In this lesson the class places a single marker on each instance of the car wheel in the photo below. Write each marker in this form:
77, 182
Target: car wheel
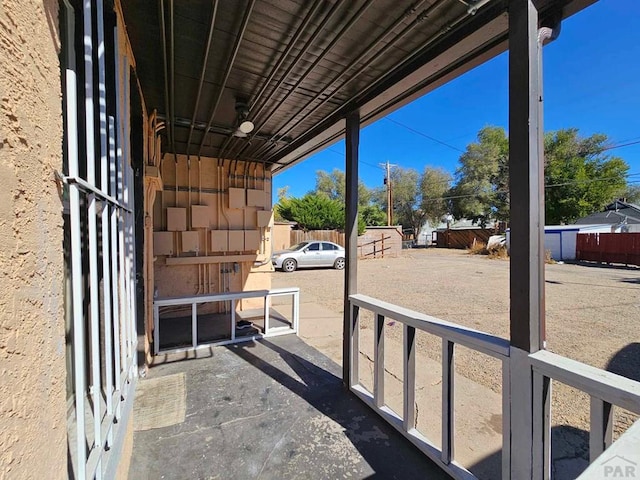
289, 265
339, 265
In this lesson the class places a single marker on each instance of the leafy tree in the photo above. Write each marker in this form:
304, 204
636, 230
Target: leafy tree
313, 212
632, 194
434, 186
333, 186
580, 179
405, 198
373, 215
481, 191
283, 198
416, 197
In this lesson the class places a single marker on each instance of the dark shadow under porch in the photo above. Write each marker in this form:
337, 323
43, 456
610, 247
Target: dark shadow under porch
271, 409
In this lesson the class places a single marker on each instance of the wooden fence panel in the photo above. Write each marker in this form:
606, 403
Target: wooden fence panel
609, 248
463, 238
334, 236
374, 243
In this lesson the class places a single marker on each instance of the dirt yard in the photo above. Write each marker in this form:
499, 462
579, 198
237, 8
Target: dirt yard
593, 312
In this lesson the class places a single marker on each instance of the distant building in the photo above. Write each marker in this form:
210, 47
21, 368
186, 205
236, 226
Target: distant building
560, 240
626, 215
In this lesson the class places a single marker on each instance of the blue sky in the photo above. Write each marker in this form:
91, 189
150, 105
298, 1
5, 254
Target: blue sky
591, 82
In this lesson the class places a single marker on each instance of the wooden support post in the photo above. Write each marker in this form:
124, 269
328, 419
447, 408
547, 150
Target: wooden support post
351, 236
526, 186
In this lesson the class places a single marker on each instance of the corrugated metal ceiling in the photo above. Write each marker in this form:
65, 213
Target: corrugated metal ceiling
299, 64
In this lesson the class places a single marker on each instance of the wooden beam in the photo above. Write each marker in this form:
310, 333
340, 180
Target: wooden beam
351, 235
526, 179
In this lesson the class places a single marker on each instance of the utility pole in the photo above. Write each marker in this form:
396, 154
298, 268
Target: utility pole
387, 181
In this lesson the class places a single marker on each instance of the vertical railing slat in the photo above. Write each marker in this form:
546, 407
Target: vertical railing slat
354, 373
541, 446
194, 324
378, 379
601, 431
409, 391
447, 401
267, 306
506, 419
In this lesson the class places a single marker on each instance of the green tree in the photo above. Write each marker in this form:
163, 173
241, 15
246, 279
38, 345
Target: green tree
312, 212
481, 190
632, 194
333, 186
373, 215
315, 212
283, 198
579, 177
416, 197
434, 186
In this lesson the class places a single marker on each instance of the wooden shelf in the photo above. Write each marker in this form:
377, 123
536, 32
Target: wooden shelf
210, 259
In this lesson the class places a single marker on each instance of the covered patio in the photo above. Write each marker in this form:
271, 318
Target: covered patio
234, 95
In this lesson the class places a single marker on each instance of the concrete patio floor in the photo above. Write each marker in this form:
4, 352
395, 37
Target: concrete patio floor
271, 409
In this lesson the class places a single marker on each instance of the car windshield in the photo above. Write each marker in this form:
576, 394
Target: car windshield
298, 246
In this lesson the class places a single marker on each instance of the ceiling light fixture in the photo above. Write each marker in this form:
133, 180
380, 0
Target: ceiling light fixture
244, 126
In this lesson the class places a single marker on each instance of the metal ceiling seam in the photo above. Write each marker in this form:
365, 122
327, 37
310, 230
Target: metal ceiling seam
166, 72
419, 19
236, 48
172, 95
314, 36
299, 31
204, 70
368, 50
325, 51
361, 99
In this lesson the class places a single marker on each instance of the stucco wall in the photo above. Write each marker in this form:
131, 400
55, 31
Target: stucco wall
32, 363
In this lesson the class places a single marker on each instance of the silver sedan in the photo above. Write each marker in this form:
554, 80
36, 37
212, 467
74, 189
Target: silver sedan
309, 254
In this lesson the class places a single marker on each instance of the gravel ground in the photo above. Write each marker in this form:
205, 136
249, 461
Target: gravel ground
592, 312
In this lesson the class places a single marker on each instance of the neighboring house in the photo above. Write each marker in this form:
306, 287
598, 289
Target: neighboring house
625, 216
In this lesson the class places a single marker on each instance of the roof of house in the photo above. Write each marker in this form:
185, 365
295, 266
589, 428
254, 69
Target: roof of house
615, 213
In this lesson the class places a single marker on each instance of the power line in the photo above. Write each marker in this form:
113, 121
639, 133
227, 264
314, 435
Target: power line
359, 161
433, 139
470, 195
621, 145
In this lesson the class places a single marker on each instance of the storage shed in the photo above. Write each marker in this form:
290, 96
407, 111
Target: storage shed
561, 240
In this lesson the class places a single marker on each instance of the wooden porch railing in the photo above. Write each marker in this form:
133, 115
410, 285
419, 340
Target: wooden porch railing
232, 297
606, 390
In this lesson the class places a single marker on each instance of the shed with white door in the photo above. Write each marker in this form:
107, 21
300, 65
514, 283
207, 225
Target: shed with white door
561, 240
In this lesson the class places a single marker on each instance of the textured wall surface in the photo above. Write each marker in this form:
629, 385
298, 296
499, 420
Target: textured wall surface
32, 366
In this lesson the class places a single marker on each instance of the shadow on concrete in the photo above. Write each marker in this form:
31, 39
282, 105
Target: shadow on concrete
272, 409
569, 453
383, 449
626, 362
630, 280
613, 266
